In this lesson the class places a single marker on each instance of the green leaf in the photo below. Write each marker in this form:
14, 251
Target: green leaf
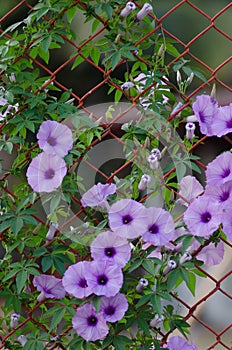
96, 302
117, 95
120, 341
143, 300
95, 54
172, 279
21, 280
46, 42
57, 317
115, 59
148, 265
156, 303
180, 171
187, 241
16, 225
143, 325
46, 263
192, 283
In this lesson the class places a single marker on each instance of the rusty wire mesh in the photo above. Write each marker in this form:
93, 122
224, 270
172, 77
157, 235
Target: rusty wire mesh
219, 337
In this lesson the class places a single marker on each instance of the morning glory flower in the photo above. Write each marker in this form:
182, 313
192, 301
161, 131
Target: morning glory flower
223, 123
112, 248
227, 221
178, 343
104, 278
114, 308
128, 218
220, 194
130, 6
205, 109
190, 128
46, 173
219, 171
49, 287
144, 11
190, 188
203, 216
160, 227
89, 324
14, 320
97, 195
209, 254
74, 280
55, 138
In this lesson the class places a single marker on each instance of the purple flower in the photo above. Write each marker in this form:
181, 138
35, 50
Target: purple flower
219, 171
55, 138
88, 324
104, 278
178, 343
205, 109
130, 6
220, 194
46, 173
190, 188
74, 280
210, 254
8, 110
96, 195
223, 123
190, 128
227, 221
114, 308
128, 218
160, 227
110, 247
144, 11
203, 216
49, 286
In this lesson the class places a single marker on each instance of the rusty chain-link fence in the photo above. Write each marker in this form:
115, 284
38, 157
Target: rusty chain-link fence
209, 312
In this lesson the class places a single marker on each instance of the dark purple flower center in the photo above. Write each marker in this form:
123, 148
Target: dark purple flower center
109, 310
102, 279
226, 172
110, 252
83, 283
224, 196
126, 219
154, 229
229, 124
51, 141
205, 217
49, 174
92, 320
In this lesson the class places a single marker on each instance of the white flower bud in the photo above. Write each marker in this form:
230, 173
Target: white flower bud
14, 320
145, 179
153, 162
144, 11
51, 231
22, 339
130, 6
171, 265
156, 152
190, 78
178, 77
186, 257
127, 86
190, 128
143, 282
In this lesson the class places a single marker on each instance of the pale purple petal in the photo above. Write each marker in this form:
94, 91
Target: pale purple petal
45, 172
160, 227
110, 247
220, 194
190, 188
178, 343
50, 286
88, 324
104, 278
114, 308
210, 254
219, 171
203, 216
128, 218
74, 280
55, 138
223, 123
96, 195
227, 221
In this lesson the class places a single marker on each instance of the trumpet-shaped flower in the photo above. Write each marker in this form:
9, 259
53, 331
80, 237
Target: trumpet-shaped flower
97, 195
89, 324
219, 171
223, 123
178, 343
190, 188
49, 287
55, 138
114, 308
46, 173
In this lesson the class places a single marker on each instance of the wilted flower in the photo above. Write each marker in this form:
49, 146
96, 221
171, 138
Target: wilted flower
145, 179
190, 128
144, 11
55, 138
203, 216
49, 287
128, 218
46, 173
190, 188
89, 324
104, 278
74, 280
130, 6
97, 195
219, 171
114, 308
110, 247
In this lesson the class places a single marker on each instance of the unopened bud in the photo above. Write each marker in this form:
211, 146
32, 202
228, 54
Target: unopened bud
22, 339
156, 320
161, 51
145, 179
186, 257
130, 6
143, 282
14, 320
127, 86
190, 128
171, 265
190, 78
178, 77
144, 11
156, 152
153, 162
213, 91
51, 231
